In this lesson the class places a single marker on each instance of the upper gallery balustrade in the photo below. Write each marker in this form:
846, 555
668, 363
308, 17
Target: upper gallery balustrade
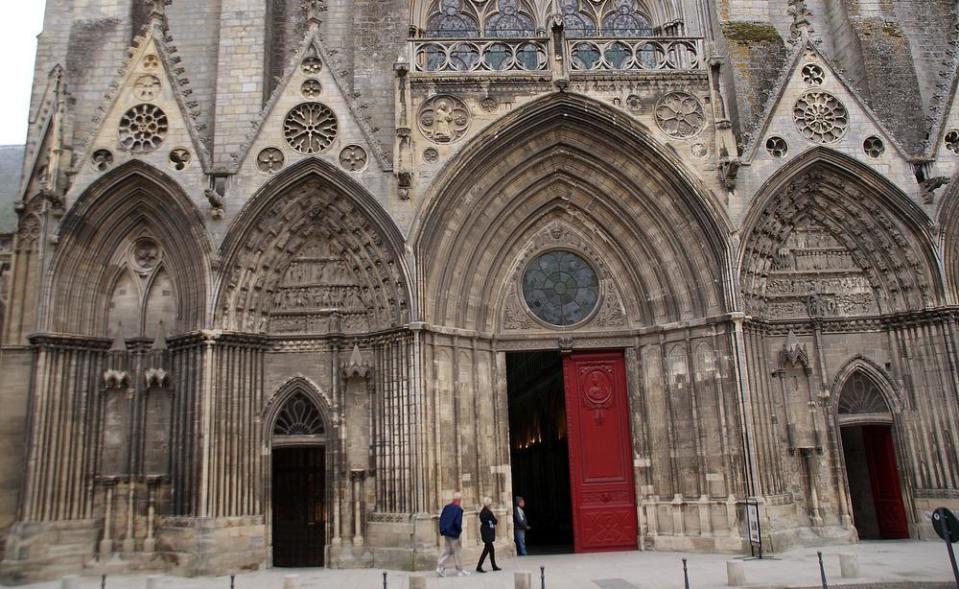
537, 36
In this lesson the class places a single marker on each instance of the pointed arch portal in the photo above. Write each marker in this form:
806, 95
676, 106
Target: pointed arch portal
869, 453
299, 479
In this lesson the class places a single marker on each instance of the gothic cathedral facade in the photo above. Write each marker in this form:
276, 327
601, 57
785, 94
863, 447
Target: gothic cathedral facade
287, 274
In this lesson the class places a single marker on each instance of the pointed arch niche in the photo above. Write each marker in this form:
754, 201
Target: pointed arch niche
131, 255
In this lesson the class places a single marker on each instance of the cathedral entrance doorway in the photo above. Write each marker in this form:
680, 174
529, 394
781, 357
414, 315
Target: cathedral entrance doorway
571, 450
869, 452
874, 482
298, 484
299, 506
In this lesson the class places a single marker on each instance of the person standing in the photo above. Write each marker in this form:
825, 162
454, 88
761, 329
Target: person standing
520, 526
451, 527
488, 523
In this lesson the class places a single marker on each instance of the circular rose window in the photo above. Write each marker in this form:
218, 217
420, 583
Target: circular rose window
560, 288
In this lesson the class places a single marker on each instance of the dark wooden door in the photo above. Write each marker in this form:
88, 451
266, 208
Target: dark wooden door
299, 506
600, 452
884, 479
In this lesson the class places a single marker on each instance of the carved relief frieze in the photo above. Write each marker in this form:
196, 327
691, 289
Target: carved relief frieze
314, 264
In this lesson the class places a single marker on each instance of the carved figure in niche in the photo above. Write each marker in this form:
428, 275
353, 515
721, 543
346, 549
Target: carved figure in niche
444, 119
575, 23
451, 22
626, 22
509, 22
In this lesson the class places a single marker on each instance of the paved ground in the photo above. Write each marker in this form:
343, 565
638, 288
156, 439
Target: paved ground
886, 563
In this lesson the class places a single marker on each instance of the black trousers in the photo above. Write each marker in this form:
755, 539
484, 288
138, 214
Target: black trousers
488, 549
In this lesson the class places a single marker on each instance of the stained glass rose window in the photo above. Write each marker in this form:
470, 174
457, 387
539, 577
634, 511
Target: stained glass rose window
560, 288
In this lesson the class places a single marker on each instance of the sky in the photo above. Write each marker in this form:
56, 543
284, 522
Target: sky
19, 27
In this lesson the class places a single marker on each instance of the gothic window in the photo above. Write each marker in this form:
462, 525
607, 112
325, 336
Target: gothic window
560, 288
509, 21
576, 23
451, 21
299, 417
626, 21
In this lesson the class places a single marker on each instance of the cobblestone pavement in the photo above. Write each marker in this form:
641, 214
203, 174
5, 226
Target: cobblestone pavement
881, 563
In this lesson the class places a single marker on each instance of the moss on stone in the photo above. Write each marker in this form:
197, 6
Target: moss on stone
751, 32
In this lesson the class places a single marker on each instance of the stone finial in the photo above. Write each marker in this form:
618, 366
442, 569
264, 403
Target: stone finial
356, 366
313, 9
157, 9
794, 353
801, 28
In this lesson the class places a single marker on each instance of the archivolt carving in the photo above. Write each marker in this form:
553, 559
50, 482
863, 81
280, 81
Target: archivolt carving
549, 162
313, 262
825, 246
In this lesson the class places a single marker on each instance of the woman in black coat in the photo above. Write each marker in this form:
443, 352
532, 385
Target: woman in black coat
488, 523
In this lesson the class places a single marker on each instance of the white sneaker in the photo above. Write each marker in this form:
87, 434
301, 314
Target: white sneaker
463, 574
440, 572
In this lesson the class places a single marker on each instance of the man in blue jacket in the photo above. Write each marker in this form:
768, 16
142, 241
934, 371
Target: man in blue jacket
451, 526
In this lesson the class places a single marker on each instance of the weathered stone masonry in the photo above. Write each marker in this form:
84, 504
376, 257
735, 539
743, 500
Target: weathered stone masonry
252, 225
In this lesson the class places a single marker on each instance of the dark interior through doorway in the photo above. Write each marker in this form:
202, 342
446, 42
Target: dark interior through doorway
299, 506
539, 453
874, 487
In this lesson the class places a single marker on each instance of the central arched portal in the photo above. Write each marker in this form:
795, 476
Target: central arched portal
869, 452
299, 484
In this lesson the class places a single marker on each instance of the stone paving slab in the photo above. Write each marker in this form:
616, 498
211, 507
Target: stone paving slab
883, 565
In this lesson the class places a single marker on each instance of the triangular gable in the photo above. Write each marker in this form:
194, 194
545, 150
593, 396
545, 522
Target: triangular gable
862, 121
148, 114
310, 78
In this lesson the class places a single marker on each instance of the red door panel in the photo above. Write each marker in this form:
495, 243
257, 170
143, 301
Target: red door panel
600, 452
884, 479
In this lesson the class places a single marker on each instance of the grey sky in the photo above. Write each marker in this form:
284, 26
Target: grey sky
19, 27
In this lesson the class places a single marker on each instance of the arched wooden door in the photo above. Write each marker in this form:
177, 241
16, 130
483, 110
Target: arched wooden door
299, 485
869, 449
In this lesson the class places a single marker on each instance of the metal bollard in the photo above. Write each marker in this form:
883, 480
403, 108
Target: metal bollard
232, 581
103, 582
522, 580
822, 572
384, 579
153, 582
542, 577
418, 582
70, 582
735, 573
685, 574
291, 582
849, 565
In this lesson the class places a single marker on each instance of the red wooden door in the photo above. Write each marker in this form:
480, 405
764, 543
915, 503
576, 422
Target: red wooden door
884, 479
600, 452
